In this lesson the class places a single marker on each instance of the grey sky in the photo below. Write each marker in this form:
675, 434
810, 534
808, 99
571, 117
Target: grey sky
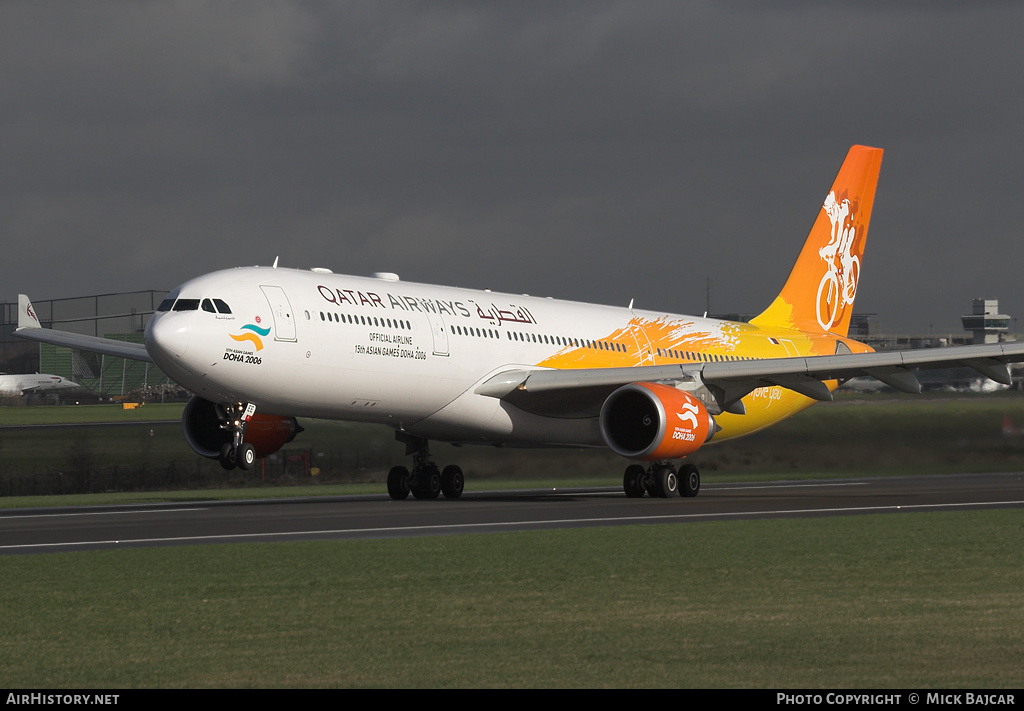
593, 151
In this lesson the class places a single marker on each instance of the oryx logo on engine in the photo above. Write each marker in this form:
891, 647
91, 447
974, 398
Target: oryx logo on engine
690, 415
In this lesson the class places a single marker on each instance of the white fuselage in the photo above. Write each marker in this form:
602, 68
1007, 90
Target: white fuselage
317, 344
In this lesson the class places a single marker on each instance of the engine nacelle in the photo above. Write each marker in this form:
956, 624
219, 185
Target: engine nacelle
654, 422
203, 424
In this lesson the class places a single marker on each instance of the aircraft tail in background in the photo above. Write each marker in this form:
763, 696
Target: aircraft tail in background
819, 294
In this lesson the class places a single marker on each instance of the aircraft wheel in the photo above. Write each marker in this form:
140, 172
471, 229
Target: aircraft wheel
666, 483
246, 457
632, 481
428, 483
398, 483
452, 482
227, 457
689, 480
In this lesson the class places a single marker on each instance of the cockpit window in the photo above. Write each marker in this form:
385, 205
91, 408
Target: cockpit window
215, 306
172, 303
168, 301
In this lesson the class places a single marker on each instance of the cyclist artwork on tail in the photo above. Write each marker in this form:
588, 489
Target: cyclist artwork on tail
838, 286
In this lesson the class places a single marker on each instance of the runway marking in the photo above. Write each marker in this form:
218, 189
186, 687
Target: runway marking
819, 485
481, 526
98, 513
616, 491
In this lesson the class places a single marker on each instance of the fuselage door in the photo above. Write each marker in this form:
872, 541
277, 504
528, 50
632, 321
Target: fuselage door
439, 334
280, 307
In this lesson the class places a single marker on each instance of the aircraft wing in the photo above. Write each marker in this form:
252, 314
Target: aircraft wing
30, 328
579, 393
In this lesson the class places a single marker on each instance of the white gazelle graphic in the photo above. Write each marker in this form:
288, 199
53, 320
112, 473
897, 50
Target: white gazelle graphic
690, 415
838, 286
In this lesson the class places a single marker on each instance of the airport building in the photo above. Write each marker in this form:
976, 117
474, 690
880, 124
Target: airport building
983, 325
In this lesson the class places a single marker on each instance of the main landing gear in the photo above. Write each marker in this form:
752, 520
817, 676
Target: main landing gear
661, 479
425, 481
237, 452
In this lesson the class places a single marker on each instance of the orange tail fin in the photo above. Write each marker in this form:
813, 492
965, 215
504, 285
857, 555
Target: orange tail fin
818, 296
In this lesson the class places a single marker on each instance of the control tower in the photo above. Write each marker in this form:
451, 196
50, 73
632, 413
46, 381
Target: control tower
987, 324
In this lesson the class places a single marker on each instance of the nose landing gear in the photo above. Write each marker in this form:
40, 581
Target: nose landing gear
237, 452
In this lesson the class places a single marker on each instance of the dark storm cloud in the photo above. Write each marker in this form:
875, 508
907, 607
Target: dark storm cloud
594, 151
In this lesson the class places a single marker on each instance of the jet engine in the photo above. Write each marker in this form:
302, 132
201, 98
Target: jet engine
654, 422
207, 428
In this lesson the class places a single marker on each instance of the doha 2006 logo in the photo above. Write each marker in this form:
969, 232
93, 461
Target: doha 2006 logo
252, 333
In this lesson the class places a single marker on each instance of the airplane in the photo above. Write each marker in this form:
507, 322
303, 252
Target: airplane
260, 346
18, 385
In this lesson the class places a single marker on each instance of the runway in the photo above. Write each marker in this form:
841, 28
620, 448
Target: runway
29, 531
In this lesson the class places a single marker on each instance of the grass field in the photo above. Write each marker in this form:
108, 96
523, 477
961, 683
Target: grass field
889, 601
923, 600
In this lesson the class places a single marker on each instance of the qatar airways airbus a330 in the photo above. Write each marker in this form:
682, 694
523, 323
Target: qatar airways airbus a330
260, 346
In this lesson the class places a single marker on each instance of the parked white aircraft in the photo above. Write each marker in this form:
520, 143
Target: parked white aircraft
476, 367
17, 385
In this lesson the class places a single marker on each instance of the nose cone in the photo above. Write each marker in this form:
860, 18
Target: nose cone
167, 337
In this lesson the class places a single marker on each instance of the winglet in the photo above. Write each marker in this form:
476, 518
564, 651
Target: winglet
26, 314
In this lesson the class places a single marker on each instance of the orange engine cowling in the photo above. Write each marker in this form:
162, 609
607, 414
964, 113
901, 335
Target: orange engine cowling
654, 422
202, 422
268, 433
